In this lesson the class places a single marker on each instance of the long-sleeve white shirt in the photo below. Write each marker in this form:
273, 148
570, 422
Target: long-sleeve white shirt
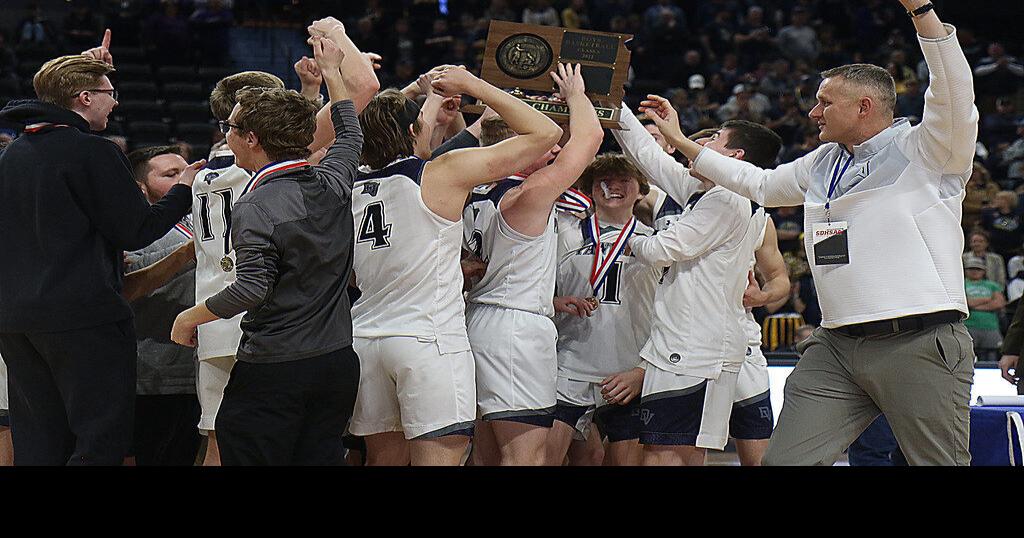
901, 198
660, 168
698, 321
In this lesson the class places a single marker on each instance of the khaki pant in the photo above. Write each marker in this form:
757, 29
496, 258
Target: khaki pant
921, 381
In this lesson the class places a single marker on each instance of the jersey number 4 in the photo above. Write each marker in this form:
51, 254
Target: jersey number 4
375, 228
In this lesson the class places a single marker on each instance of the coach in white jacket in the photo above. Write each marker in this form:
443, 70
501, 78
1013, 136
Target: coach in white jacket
882, 205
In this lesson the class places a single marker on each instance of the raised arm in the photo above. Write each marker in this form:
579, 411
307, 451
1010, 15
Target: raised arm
783, 186
948, 132
422, 147
661, 169
356, 67
341, 162
448, 179
526, 207
702, 229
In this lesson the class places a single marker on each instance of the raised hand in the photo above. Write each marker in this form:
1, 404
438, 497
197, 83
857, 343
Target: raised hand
374, 59
454, 81
188, 175
328, 55
102, 52
325, 27
663, 114
308, 72
569, 80
449, 110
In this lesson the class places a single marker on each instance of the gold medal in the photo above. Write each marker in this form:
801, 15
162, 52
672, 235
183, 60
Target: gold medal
226, 264
593, 301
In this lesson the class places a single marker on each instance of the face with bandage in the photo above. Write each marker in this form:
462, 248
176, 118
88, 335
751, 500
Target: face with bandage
616, 191
613, 183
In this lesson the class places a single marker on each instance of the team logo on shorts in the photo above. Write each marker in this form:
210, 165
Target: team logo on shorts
646, 415
674, 358
766, 412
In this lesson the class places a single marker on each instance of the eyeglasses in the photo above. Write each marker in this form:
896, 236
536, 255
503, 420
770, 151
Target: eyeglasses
225, 126
111, 92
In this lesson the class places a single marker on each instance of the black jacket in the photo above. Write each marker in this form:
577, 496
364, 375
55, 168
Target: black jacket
293, 235
69, 206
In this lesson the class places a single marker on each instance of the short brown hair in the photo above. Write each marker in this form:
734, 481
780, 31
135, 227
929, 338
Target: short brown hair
760, 144
283, 120
611, 165
139, 159
703, 133
494, 130
871, 76
385, 122
61, 79
222, 98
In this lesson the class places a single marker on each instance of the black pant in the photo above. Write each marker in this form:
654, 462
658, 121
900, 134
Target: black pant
288, 413
72, 394
165, 429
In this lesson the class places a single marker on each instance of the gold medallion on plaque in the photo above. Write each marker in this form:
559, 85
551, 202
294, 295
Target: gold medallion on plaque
524, 56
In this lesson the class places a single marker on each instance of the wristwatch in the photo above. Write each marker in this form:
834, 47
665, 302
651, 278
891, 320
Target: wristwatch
921, 10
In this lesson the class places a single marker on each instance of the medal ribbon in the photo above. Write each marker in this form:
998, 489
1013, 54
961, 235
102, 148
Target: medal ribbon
574, 201
837, 176
36, 127
184, 228
273, 168
603, 263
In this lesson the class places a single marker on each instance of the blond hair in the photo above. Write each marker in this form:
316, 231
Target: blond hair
61, 79
283, 120
222, 98
494, 130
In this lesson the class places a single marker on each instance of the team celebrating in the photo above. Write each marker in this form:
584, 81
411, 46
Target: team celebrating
500, 295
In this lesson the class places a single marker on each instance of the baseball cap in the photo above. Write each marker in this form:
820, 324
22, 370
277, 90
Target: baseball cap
740, 88
975, 263
696, 82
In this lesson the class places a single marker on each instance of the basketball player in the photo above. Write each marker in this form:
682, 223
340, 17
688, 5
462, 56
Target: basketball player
599, 348
697, 343
512, 229
217, 188
752, 416
417, 398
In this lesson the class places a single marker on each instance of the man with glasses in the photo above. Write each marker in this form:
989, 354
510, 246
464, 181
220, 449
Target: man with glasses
66, 333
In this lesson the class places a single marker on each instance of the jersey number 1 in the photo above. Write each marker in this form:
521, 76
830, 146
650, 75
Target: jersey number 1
205, 227
374, 228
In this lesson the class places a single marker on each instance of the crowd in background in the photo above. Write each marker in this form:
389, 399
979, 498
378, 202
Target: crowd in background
715, 60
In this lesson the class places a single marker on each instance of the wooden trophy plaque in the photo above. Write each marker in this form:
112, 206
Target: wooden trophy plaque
518, 57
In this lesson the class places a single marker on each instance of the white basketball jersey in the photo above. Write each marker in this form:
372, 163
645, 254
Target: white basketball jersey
520, 269
406, 261
216, 188
608, 342
752, 327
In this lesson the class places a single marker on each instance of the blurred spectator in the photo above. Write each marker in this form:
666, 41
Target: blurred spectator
499, 11
167, 35
981, 193
36, 32
753, 37
1003, 224
798, 41
1011, 159
438, 44
776, 80
786, 119
901, 73
809, 143
664, 16
998, 73
995, 265
998, 130
9, 82
910, 103
575, 15
540, 12
82, 28
985, 300
689, 114
745, 104
211, 24
789, 223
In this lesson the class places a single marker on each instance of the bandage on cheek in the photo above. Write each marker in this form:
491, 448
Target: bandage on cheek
604, 188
